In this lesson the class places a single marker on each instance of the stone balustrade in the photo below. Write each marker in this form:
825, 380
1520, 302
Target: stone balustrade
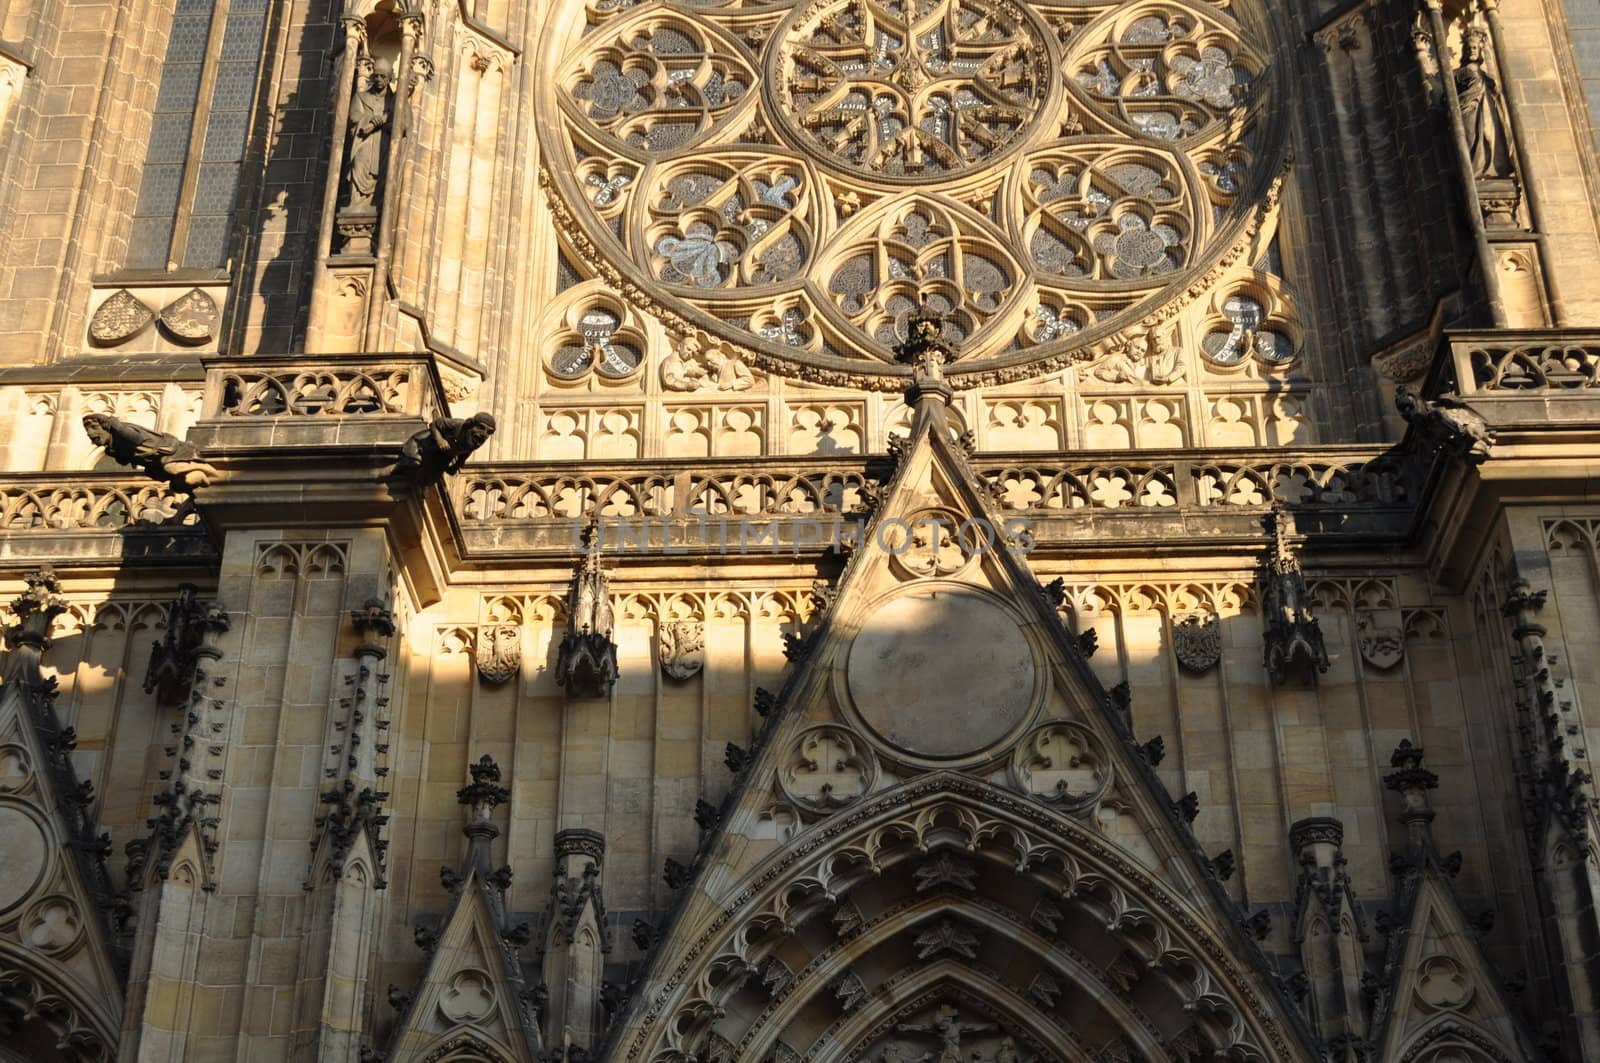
90, 502
1508, 363
1343, 477
323, 386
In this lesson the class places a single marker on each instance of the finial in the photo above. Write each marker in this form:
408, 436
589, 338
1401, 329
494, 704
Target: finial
484, 793
1412, 782
35, 609
925, 347
927, 352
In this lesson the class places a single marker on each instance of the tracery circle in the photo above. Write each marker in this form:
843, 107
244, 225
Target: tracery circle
901, 90
789, 182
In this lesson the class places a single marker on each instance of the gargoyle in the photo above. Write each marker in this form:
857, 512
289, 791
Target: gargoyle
156, 454
442, 447
1446, 422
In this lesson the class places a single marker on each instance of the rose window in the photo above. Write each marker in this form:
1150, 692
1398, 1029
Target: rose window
792, 179
909, 89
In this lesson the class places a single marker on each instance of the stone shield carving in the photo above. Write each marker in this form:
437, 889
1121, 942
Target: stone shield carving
1197, 642
499, 653
683, 648
1382, 647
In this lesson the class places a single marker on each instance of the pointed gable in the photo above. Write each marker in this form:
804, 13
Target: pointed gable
1440, 993
979, 845
472, 1001
56, 948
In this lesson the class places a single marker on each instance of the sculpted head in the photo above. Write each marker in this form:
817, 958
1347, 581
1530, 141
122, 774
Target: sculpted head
98, 427
476, 432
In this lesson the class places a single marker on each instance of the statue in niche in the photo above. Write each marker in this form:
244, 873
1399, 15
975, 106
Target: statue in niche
1483, 109
159, 455
369, 114
442, 447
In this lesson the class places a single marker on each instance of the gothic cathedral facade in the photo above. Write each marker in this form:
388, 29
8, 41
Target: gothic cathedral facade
799, 531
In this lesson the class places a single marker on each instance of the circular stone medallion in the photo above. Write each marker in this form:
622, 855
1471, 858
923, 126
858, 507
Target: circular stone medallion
942, 673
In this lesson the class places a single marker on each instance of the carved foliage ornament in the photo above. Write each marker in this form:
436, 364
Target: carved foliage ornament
1061, 195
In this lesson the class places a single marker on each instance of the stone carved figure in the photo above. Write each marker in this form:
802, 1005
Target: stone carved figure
1447, 423
925, 347
948, 1030
1293, 644
730, 373
442, 447
1126, 364
586, 663
1007, 1052
1166, 367
681, 369
689, 368
1483, 109
369, 114
1150, 357
158, 455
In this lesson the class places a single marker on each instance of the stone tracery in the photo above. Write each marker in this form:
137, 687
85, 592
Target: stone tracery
743, 168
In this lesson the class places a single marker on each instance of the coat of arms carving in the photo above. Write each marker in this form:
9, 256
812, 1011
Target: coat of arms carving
683, 648
1197, 642
1381, 646
499, 652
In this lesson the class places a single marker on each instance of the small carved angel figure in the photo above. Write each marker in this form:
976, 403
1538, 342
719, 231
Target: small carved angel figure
442, 447
158, 455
